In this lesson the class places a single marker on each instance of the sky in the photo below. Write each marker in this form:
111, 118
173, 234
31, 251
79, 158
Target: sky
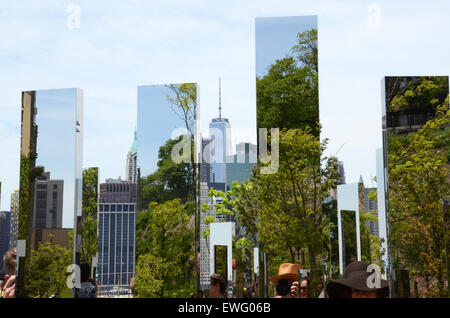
120, 45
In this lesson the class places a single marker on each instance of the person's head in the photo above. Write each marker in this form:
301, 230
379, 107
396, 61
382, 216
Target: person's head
10, 262
218, 286
287, 274
354, 284
304, 288
85, 271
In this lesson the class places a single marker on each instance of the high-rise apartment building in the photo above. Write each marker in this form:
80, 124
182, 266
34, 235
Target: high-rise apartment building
14, 222
341, 172
5, 217
131, 174
371, 205
220, 133
48, 202
117, 233
205, 162
239, 166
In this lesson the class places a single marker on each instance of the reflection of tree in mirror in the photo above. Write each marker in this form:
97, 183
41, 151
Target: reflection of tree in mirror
171, 180
89, 239
418, 164
287, 96
168, 241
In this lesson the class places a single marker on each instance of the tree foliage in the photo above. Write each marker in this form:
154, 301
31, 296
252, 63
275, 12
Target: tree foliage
287, 96
89, 239
171, 180
418, 184
169, 253
45, 271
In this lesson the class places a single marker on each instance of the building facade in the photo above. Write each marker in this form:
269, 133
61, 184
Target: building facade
239, 166
5, 217
48, 202
371, 205
56, 236
117, 233
131, 167
14, 222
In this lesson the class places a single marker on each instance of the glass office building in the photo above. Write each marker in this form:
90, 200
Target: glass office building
117, 234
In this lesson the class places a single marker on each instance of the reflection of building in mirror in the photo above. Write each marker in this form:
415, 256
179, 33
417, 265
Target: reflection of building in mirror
117, 234
50, 173
48, 202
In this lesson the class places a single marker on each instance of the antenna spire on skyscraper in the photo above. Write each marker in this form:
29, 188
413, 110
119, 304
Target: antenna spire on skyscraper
220, 101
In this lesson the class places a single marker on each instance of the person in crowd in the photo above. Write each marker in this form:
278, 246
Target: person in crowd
133, 287
9, 289
304, 288
320, 289
286, 282
354, 284
87, 288
218, 287
2, 282
249, 292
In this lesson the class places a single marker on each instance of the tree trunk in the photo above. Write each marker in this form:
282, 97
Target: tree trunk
312, 257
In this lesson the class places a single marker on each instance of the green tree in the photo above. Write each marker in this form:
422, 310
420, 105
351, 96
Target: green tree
306, 51
284, 209
418, 184
46, 270
170, 245
171, 180
89, 239
292, 198
287, 96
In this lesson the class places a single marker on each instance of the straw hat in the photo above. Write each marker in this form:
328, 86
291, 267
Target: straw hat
287, 271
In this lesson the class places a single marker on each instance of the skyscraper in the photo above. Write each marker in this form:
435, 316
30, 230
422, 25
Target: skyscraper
14, 219
219, 130
48, 202
117, 233
239, 166
371, 205
205, 162
341, 171
5, 217
131, 168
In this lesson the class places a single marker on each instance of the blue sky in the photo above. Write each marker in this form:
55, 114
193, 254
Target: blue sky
121, 45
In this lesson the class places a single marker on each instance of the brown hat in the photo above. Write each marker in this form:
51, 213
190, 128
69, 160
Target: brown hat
355, 276
287, 271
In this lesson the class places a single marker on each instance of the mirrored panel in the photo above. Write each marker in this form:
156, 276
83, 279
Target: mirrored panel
349, 238
166, 176
416, 136
289, 208
227, 162
220, 260
50, 190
